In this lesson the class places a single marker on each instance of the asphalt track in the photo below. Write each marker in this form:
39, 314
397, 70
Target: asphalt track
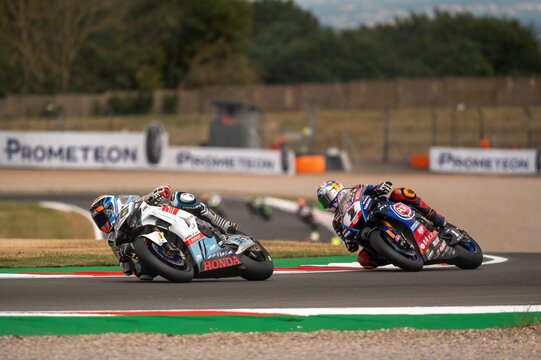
290, 228
515, 282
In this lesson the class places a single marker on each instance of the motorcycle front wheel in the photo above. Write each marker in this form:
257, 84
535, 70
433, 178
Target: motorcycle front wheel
468, 254
159, 263
258, 263
407, 259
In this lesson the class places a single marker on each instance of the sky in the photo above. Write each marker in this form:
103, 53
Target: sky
342, 14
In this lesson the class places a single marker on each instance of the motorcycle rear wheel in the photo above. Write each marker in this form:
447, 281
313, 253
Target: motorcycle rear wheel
382, 244
160, 267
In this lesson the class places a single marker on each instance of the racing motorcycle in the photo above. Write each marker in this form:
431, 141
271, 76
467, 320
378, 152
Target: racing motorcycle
403, 237
178, 246
259, 207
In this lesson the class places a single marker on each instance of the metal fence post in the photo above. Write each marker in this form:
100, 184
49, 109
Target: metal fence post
481, 122
529, 126
434, 126
386, 121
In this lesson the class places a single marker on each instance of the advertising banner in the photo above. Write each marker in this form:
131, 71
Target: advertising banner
77, 150
234, 160
129, 150
489, 161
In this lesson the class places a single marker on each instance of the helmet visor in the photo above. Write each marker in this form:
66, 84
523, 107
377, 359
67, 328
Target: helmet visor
102, 221
327, 198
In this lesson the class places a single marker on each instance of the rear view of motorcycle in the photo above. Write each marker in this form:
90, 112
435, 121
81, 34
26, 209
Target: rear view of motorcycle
178, 246
403, 237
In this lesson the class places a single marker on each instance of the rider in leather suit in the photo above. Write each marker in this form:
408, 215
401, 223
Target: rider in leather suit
106, 209
332, 195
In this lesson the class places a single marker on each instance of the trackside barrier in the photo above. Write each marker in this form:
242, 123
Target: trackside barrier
419, 161
132, 151
484, 161
314, 164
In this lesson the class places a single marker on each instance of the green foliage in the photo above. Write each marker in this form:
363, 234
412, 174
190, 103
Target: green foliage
97, 45
288, 46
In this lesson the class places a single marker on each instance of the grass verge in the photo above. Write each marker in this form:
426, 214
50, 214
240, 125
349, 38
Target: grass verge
18, 253
45, 223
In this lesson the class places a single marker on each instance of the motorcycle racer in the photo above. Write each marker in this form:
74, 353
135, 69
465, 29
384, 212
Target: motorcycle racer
106, 209
335, 198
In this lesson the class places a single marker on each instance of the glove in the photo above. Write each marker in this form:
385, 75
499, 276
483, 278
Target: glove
383, 188
160, 194
352, 245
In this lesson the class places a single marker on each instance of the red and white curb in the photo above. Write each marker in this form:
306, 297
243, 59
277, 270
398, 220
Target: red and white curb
435, 310
303, 269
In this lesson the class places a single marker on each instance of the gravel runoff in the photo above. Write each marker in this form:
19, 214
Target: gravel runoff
404, 344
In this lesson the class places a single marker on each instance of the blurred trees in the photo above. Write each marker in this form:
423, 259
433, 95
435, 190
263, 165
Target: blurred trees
96, 45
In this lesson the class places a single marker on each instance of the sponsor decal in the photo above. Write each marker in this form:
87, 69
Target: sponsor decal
170, 209
471, 162
403, 211
483, 160
366, 202
356, 219
442, 246
427, 240
193, 239
17, 151
38, 153
415, 225
207, 161
220, 263
358, 195
220, 254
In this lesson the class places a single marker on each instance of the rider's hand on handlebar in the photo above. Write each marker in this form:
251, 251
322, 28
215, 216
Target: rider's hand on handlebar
383, 188
160, 194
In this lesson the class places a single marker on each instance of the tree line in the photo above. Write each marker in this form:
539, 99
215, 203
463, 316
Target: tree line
97, 45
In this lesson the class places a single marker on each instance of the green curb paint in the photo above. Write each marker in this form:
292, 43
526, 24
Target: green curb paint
183, 325
293, 262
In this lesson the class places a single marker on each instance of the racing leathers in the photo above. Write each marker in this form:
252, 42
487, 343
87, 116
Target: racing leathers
350, 236
121, 242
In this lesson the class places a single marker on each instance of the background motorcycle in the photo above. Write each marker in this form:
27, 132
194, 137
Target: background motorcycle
178, 246
257, 206
405, 238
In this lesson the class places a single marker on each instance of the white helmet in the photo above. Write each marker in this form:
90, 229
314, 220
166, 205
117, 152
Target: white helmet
327, 194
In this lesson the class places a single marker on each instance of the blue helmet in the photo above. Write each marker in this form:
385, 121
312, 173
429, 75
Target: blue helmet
327, 194
103, 212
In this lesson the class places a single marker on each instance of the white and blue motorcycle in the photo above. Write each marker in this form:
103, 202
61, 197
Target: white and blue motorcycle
178, 246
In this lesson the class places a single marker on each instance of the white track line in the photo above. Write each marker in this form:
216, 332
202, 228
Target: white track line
434, 310
353, 266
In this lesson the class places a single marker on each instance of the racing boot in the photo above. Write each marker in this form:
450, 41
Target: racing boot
226, 226
143, 273
409, 197
369, 260
124, 255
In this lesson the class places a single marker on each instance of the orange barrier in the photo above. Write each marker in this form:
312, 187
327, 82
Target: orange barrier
310, 164
419, 161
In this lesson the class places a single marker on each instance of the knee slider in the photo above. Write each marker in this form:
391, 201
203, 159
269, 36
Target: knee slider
403, 194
